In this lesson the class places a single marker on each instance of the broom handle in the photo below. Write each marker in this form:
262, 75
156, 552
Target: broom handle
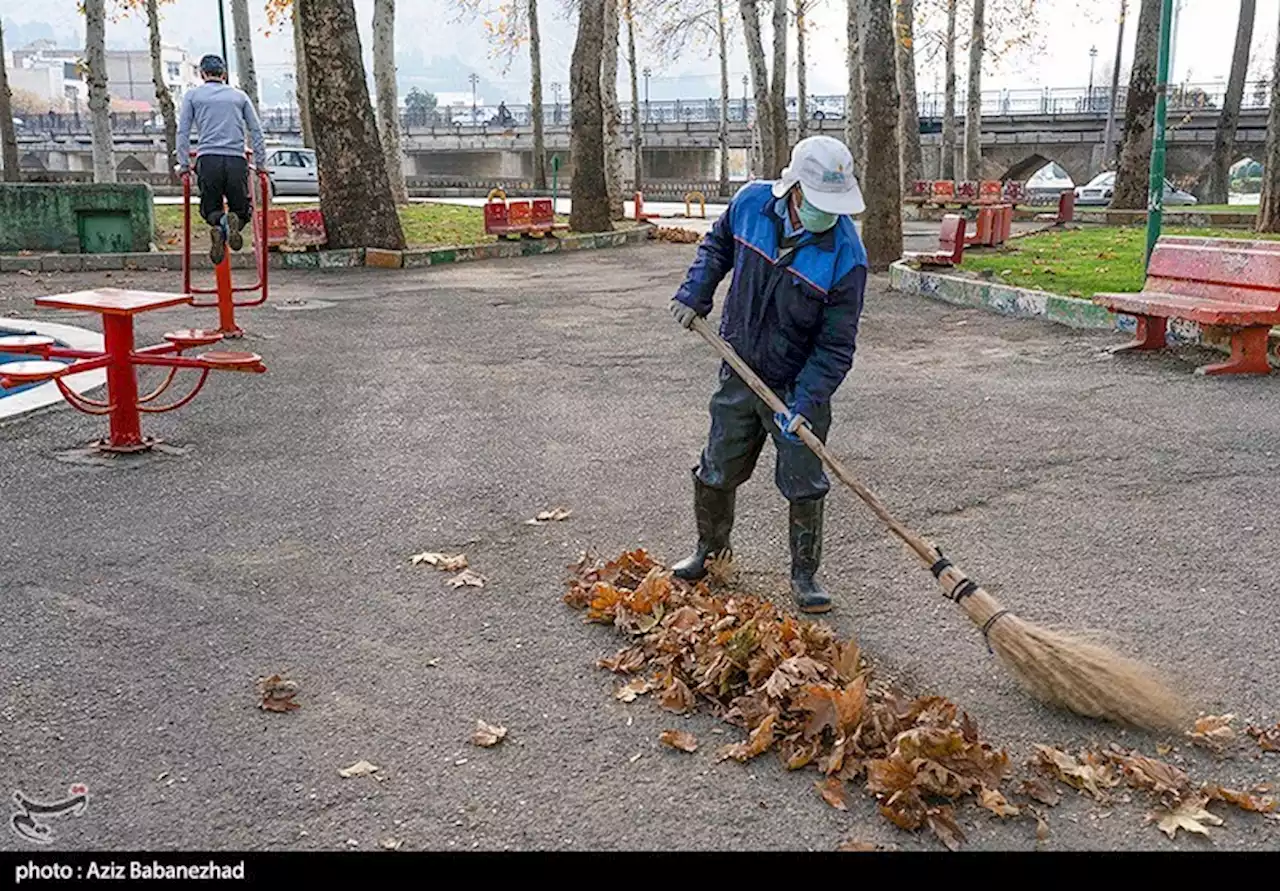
927, 553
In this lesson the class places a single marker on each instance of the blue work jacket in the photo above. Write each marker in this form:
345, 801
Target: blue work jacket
791, 313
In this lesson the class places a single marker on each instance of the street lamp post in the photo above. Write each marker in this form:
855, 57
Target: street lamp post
1093, 57
222, 27
555, 89
745, 116
1115, 88
475, 81
647, 72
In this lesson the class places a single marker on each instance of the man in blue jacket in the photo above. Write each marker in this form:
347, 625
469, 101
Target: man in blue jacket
224, 116
792, 311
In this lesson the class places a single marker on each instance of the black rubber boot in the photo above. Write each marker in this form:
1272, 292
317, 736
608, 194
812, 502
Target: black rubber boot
806, 556
713, 509
234, 225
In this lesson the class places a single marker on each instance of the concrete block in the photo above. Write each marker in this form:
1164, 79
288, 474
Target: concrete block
307, 260
61, 263
417, 259
13, 264
342, 258
383, 259
96, 262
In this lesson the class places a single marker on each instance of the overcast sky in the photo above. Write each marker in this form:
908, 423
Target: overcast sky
1205, 34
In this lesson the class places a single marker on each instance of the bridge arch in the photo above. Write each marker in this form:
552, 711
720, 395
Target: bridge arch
131, 164
1017, 164
31, 161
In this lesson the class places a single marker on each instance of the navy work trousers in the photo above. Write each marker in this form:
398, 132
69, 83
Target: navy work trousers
740, 423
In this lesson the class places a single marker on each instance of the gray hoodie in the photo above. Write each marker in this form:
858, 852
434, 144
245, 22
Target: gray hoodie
223, 115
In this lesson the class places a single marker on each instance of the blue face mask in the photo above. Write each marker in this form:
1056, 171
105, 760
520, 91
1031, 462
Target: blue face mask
815, 220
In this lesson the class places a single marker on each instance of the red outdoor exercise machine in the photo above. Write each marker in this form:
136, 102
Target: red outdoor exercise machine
223, 287
123, 405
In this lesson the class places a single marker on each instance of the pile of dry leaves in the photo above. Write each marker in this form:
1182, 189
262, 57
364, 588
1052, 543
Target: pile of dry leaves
798, 691
676, 235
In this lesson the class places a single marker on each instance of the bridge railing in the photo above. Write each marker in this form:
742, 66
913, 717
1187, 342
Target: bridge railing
1042, 101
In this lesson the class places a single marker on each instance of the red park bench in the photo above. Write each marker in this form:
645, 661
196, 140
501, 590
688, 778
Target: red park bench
1015, 192
950, 245
921, 192
944, 192
1215, 282
992, 226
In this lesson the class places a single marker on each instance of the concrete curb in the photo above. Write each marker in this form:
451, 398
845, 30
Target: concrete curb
333, 259
1028, 303
1204, 219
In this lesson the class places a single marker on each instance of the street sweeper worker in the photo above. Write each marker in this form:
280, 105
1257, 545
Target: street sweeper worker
791, 312
223, 115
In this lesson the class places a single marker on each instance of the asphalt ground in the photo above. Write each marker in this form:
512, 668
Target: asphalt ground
438, 410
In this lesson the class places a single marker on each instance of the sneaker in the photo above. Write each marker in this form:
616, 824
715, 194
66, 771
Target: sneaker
217, 245
234, 225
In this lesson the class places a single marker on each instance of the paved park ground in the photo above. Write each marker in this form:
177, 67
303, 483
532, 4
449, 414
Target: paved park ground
438, 410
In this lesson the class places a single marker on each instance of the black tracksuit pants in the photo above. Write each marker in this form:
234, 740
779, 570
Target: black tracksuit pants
740, 423
219, 177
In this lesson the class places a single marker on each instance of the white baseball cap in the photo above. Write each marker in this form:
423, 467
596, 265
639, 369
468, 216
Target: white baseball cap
824, 169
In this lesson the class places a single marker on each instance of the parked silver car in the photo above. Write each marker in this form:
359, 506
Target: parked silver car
292, 171
1098, 192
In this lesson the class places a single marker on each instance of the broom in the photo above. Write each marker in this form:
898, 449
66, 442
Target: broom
1057, 668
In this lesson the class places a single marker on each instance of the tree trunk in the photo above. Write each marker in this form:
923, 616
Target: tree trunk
781, 131
388, 92
802, 100
535, 103
856, 99
637, 138
95, 39
1215, 180
246, 74
948, 171
760, 85
355, 195
912, 160
590, 211
1132, 176
973, 108
882, 179
303, 90
612, 114
722, 41
8, 138
1269, 205
163, 96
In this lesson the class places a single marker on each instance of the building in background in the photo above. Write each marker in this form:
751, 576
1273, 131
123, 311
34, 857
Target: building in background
54, 75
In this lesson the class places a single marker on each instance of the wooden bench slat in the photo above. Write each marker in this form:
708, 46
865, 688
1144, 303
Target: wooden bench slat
1180, 306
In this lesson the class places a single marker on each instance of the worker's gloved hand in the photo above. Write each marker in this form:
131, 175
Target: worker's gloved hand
789, 422
684, 315
180, 169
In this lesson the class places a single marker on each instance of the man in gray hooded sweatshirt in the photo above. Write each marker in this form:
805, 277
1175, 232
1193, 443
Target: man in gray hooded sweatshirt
223, 115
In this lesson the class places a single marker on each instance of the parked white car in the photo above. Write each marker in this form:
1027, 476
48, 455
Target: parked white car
1098, 192
292, 171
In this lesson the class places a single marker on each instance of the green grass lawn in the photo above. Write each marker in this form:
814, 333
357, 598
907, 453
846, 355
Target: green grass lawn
425, 225
1232, 208
1080, 262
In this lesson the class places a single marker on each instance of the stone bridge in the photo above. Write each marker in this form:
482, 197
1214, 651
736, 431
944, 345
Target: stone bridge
1013, 147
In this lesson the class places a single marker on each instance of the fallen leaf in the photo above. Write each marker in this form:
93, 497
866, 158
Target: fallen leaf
1255, 801
391, 844
997, 803
1092, 778
554, 515
679, 739
359, 769
1156, 776
1190, 815
757, 743
1268, 738
1041, 792
276, 694
854, 844
942, 823
442, 562
1163, 750
1042, 825
633, 688
1213, 732
833, 792
677, 697
467, 579
488, 735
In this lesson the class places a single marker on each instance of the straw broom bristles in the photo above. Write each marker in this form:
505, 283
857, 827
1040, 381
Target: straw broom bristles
1057, 668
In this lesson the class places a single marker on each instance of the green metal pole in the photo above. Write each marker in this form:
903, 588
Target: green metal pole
222, 26
1155, 201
